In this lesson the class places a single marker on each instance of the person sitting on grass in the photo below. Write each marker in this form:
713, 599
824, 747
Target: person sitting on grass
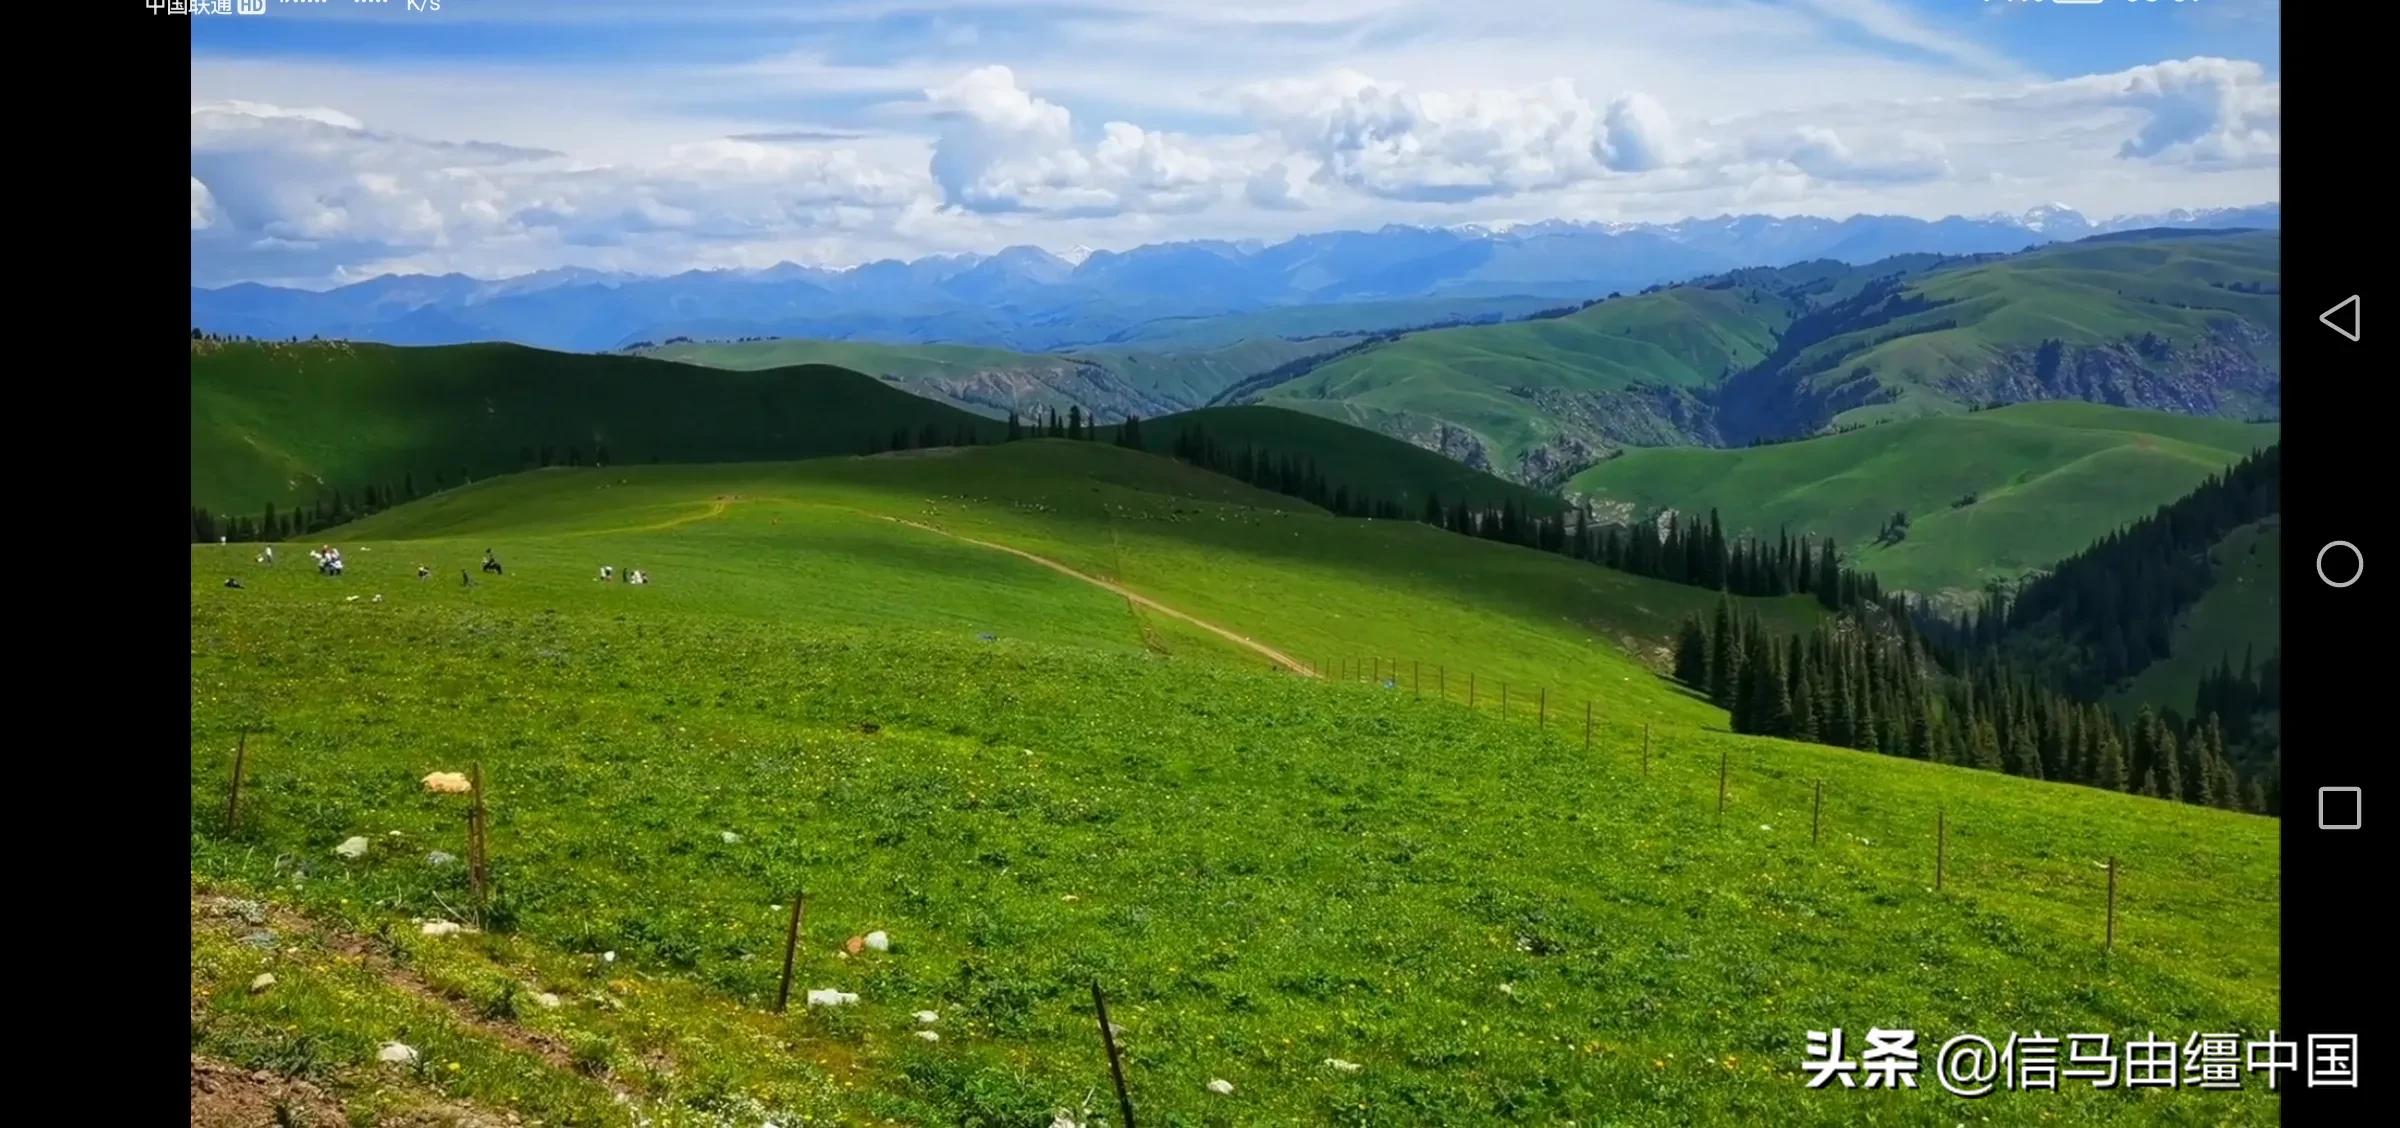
266, 555
607, 573
231, 582
423, 571
491, 563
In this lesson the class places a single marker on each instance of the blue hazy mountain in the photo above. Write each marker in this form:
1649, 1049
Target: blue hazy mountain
1029, 298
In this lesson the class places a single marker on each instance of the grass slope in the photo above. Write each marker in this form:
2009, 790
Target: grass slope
2101, 293
285, 423
1581, 381
1266, 871
2049, 479
1114, 381
2186, 323
2240, 616
1364, 460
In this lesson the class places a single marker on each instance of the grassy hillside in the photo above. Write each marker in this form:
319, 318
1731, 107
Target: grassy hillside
287, 423
2126, 313
1364, 460
2185, 323
1031, 783
2048, 479
2241, 616
1510, 397
1115, 381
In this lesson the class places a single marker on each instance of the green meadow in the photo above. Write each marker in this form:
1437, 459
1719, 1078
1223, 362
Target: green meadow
1033, 776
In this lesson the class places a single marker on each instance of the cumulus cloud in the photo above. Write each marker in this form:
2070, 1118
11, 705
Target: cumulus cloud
1003, 149
1824, 154
983, 159
316, 188
204, 206
2210, 111
1639, 134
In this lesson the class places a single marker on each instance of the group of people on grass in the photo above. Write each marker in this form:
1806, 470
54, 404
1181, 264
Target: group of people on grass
608, 574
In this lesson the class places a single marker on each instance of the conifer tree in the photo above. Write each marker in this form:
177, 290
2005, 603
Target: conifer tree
1691, 654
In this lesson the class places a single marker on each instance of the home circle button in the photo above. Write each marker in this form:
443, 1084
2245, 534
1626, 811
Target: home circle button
2330, 564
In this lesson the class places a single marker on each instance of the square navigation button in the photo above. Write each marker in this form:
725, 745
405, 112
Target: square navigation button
2339, 808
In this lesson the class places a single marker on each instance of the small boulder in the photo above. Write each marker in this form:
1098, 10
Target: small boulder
354, 846
928, 1036
1340, 1066
547, 1000
397, 1053
1221, 1087
608, 957
440, 928
830, 997
728, 837
265, 980
448, 783
927, 1018
879, 940
440, 858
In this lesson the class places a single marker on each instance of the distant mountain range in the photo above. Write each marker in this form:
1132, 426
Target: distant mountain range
1030, 299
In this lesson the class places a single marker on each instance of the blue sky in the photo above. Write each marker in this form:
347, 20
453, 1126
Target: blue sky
494, 137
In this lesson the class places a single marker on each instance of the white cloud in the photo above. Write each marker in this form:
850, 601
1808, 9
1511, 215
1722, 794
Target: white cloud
1384, 139
1639, 134
204, 206
1003, 149
1824, 154
983, 156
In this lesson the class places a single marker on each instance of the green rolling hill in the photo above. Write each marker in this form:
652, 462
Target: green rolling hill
1114, 381
1362, 460
2239, 619
288, 424
2046, 479
2183, 322
1021, 707
1527, 399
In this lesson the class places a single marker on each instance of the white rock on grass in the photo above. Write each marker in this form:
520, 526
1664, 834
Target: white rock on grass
441, 928
1221, 1087
929, 1036
1340, 1066
927, 1018
265, 980
354, 846
830, 997
440, 858
729, 837
547, 1000
397, 1053
879, 940
608, 957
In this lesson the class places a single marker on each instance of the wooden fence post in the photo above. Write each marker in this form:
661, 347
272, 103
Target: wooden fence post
1724, 760
1541, 714
1941, 846
2110, 944
1816, 813
1470, 689
233, 797
475, 837
791, 945
1645, 748
1116, 1067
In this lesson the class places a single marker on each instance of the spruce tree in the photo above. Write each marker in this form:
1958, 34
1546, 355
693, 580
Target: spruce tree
2111, 760
1691, 654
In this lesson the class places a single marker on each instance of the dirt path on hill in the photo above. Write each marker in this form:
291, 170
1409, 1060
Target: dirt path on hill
1270, 653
